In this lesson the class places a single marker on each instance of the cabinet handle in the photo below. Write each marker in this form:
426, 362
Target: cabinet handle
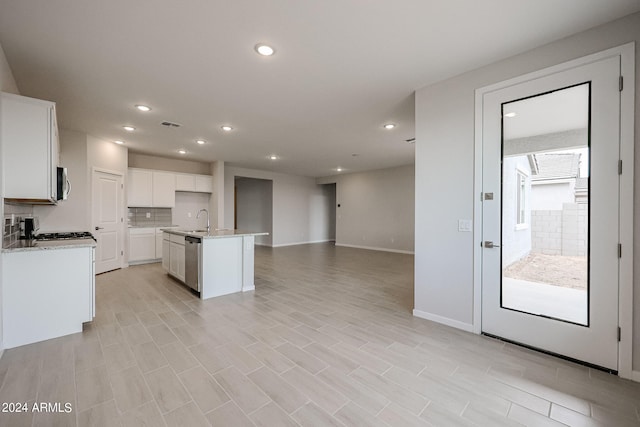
99, 228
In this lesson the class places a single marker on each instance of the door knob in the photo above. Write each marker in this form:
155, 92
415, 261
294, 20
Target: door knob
489, 244
99, 228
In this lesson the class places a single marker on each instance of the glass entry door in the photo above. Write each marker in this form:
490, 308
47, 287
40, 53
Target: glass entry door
550, 214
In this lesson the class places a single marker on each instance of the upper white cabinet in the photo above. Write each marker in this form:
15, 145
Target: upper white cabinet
164, 189
204, 184
140, 188
151, 189
185, 182
29, 137
194, 183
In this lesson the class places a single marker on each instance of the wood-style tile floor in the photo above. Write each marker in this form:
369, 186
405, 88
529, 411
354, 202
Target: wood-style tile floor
326, 339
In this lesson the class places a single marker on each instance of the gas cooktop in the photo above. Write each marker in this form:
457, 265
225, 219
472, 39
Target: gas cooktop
65, 235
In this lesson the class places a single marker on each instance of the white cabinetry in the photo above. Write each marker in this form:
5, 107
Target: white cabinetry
145, 244
142, 244
166, 244
173, 258
29, 137
185, 182
151, 189
164, 189
140, 188
204, 184
194, 183
48, 301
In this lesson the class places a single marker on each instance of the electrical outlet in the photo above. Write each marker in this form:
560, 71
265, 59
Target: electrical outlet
148, 215
188, 214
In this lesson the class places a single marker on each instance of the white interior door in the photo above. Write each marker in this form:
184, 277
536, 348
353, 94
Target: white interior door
550, 213
107, 220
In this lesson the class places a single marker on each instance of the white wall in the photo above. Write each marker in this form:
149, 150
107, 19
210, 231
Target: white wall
298, 206
70, 214
516, 240
254, 199
187, 207
145, 161
445, 171
7, 84
376, 208
551, 196
216, 204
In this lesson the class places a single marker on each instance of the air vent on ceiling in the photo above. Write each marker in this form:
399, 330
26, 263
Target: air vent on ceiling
411, 140
170, 124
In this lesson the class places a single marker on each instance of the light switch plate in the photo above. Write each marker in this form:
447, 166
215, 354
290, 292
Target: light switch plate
464, 225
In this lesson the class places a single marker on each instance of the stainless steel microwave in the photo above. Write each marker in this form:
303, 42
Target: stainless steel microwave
63, 185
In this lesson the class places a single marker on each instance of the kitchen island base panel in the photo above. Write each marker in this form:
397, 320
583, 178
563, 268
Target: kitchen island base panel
221, 267
248, 243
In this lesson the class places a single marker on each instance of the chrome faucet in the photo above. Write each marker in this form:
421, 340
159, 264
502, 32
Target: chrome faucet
208, 223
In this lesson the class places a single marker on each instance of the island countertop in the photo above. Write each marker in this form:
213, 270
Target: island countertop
213, 234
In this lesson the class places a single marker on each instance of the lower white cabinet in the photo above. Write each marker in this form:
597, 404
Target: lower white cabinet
173, 258
47, 293
145, 244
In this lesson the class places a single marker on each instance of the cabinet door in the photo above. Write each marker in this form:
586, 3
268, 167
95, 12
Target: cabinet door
164, 189
180, 252
204, 183
140, 188
173, 258
185, 182
158, 244
29, 157
166, 254
142, 244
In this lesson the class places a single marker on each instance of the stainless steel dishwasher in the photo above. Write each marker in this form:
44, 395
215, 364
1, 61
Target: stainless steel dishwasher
192, 256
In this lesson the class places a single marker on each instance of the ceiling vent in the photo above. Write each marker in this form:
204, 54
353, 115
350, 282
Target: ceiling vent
170, 124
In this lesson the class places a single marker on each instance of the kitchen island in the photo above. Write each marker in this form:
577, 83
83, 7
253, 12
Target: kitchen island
213, 263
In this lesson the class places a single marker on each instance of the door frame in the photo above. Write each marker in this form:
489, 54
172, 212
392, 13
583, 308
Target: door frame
627, 111
121, 229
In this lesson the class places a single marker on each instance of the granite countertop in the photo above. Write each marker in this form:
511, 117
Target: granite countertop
38, 245
152, 226
214, 234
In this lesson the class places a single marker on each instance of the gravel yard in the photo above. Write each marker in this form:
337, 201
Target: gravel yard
557, 270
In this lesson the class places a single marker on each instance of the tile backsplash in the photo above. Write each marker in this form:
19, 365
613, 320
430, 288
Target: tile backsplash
11, 223
149, 217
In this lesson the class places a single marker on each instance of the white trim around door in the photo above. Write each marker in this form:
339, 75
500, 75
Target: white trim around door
627, 110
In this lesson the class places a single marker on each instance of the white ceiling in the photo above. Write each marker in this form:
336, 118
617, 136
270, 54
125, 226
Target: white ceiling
342, 69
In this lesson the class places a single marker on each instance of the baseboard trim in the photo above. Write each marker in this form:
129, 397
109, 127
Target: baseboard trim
248, 288
300, 243
1, 352
468, 327
374, 248
635, 376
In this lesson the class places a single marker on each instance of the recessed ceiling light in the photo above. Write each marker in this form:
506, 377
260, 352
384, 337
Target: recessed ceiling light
143, 108
273, 157
339, 169
129, 128
511, 114
201, 141
226, 128
119, 142
182, 152
389, 126
264, 49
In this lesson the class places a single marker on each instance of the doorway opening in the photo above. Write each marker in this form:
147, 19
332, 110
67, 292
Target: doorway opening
253, 200
329, 192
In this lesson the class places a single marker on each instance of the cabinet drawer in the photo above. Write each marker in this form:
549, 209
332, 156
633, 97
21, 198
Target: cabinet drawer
177, 239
